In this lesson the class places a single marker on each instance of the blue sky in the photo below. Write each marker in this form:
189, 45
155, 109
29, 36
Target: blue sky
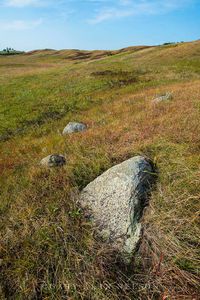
96, 24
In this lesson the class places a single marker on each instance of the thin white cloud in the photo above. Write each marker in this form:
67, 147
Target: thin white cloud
36, 3
22, 3
126, 8
110, 13
20, 24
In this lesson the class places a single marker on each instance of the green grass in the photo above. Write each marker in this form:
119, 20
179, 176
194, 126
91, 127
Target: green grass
48, 250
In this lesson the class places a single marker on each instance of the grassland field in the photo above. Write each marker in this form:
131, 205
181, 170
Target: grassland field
48, 250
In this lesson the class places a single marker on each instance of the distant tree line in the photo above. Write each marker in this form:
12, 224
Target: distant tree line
172, 43
10, 51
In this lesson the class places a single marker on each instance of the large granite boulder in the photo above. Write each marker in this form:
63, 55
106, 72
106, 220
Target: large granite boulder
74, 127
115, 202
54, 160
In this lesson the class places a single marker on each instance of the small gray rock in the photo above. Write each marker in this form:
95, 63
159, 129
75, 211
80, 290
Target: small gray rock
74, 127
54, 160
115, 202
163, 98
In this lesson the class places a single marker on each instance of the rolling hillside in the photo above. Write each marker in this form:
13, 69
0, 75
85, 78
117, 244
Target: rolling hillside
48, 250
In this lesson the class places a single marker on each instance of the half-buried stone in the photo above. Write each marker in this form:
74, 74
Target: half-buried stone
115, 202
74, 127
54, 160
163, 98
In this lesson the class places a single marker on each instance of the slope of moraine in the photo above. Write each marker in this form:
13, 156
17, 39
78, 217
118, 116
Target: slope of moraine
47, 247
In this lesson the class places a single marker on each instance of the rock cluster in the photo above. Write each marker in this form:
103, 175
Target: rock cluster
58, 160
114, 201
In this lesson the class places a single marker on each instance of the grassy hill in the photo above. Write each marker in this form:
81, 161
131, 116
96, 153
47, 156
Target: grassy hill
48, 250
